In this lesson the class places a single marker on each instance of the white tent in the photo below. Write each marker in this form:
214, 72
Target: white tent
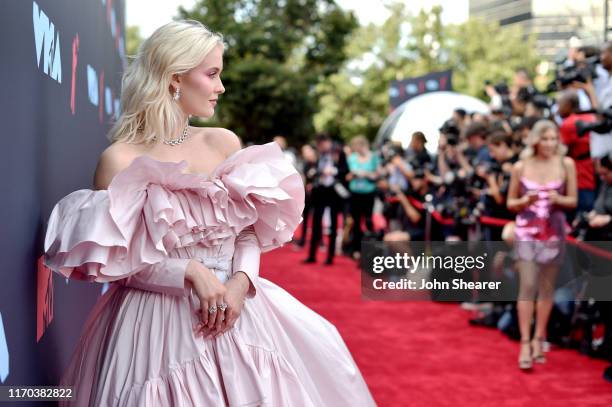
426, 113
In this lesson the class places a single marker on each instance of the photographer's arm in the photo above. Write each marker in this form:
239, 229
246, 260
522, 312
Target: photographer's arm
413, 214
589, 89
434, 179
404, 168
494, 189
463, 162
442, 164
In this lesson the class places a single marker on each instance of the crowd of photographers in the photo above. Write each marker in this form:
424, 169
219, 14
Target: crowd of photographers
467, 179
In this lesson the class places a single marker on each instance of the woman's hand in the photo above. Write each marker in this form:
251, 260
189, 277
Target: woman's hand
209, 289
553, 196
530, 197
237, 288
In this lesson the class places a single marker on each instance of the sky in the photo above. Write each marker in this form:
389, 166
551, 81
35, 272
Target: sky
150, 14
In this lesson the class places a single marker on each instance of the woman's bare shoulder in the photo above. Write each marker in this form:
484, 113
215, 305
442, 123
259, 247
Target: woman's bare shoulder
568, 162
113, 159
224, 140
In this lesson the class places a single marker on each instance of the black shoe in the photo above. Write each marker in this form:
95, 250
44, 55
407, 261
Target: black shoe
329, 262
309, 260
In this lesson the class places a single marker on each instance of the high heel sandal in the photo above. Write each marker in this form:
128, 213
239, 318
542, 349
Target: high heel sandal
539, 357
526, 363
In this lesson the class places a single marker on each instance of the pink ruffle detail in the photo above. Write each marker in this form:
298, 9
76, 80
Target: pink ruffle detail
152, 207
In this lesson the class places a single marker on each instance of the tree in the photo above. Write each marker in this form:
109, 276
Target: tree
132, 40
355, 100
278, 51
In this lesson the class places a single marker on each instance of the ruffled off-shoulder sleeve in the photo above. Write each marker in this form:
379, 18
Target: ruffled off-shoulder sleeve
83, 241
152, 207
264, 191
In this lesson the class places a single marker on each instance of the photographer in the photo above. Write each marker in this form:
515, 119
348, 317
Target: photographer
601, 215
450, 157
454, 194
308, 169
411, 217
578, 147
601, 143
331, 170
461, 118
498, 175
417, 154
477, 151
577, 72
600, 232
511, 101
393, 177
587, 59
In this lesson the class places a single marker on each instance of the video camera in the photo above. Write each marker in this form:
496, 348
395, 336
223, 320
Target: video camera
566, 75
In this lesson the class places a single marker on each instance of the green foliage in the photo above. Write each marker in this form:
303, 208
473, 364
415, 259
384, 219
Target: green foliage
355, 100
132, 40
496, 57
278, 52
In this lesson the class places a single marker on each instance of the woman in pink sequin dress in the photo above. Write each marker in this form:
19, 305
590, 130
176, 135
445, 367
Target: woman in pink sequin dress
176, 223
542, 187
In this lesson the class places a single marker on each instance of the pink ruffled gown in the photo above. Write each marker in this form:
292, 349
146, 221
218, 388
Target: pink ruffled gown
138, 347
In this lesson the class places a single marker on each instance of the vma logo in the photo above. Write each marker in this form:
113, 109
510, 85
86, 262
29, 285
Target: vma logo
47, 42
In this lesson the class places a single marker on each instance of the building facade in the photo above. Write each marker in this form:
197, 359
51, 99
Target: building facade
553, 22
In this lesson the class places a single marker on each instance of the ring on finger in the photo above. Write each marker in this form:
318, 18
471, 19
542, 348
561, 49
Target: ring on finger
223, 307
212, 309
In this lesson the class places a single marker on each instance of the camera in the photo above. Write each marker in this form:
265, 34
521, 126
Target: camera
503, 91
565, 75
532, 95
451, 131
501, 88
419, 173
602, 127
390, 150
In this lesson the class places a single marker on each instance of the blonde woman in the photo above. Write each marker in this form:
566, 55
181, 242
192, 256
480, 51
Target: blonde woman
542, 187
176, 222
364, 168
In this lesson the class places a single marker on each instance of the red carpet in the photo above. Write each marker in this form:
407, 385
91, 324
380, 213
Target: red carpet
426, 354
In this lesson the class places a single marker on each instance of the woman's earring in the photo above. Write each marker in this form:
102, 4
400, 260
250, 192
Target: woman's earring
177, 94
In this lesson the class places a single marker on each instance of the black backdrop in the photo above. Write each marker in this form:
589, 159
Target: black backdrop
61, 63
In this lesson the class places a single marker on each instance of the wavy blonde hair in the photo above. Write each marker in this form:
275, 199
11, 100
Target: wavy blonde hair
535, 135
147, 105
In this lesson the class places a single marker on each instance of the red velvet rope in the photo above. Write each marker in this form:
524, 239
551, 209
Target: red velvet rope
500, 222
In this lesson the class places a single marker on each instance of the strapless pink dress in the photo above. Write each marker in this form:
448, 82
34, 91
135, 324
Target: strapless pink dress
138, 346
541, 228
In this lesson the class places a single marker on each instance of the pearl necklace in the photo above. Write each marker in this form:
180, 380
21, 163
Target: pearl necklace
177, 141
